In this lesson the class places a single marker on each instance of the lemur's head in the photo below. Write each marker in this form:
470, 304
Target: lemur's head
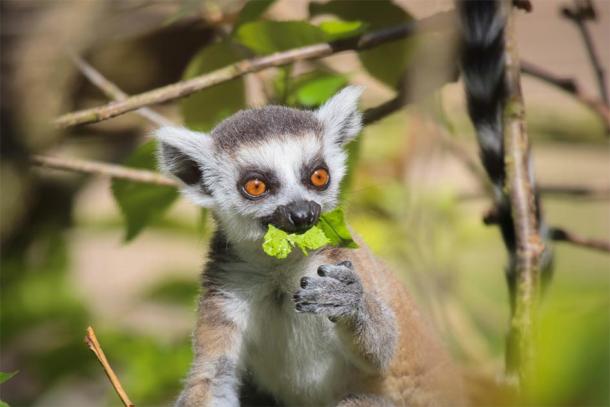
271, 165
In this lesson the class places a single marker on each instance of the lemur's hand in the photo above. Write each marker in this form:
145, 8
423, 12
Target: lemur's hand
337, 293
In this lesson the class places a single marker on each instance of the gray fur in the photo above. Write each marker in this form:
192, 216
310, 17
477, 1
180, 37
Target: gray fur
256, 125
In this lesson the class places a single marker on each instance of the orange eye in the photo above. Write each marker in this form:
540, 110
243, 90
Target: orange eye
319, 178
255, 187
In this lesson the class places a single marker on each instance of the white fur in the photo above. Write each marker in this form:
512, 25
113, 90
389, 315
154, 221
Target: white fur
340, 115
296, 357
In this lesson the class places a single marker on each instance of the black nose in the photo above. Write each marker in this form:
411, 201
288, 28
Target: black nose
297, 217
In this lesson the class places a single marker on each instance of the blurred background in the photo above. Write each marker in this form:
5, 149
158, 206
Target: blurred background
81, 250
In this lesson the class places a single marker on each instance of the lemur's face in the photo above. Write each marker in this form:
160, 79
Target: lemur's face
272, 165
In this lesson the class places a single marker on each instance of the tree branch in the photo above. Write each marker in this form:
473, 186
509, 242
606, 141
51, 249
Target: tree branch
571, 86
529, 246
113, 92
241, 68
100, 168
563, 235
582, 11
94, 346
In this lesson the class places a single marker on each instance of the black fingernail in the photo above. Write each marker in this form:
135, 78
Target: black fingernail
347, 264
299, 307
296, 297
304, 282
321, 271
332, 319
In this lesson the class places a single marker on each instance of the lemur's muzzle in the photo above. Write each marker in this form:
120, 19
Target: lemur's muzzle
296, 217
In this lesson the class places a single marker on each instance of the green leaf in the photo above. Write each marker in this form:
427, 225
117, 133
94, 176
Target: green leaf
266, 37
339, 29
312, 90
334, 227
386, 62
4, 376
330, 229
203, 110
313, 239
4, 404
142, 203
276, 243
252, 10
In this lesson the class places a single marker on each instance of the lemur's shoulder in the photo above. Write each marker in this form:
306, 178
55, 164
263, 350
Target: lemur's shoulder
422, 372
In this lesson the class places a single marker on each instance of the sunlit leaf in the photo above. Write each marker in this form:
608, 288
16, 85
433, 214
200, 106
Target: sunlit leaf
142, 203
315, 88
252, 10
4, 376
334, 227
338, 29
376, 14
204, 109
265, 37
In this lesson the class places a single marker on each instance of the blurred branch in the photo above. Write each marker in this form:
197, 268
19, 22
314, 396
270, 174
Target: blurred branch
559, 234
571, 86
241, 68
579, 14
563, 235
112, 91
94, 346
529, 246
100, 168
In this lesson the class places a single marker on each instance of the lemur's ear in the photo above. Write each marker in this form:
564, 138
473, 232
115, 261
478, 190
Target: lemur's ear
184, 154
340, 116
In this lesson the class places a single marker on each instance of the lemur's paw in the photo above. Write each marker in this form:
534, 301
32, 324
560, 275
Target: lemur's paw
336, 293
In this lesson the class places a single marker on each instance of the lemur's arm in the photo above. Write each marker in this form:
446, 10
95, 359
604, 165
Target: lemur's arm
364, 323
213, 380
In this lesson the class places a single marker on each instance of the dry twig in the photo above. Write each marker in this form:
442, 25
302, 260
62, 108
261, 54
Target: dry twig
94, 346
571, 86
100, 168
529, 246
241, 68
113, 92
562, 235
582, 12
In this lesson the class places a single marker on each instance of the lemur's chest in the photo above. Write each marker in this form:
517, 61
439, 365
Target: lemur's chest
294, 356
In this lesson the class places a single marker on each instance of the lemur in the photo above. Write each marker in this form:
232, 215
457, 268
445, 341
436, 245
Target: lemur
330, 328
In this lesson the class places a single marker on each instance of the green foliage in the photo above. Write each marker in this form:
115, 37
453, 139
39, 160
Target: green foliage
339, 29
335, 228
4, 376
315, 88
330, 229
376, 14
204, 109
279, 244
266, 37
180, 291
150, 370
252, 10
142, 203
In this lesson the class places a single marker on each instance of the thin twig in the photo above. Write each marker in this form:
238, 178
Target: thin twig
113, 92
571, 86
241, 68
100, 168
94, 346
563, 235
529, 246
558, 234
583, 11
